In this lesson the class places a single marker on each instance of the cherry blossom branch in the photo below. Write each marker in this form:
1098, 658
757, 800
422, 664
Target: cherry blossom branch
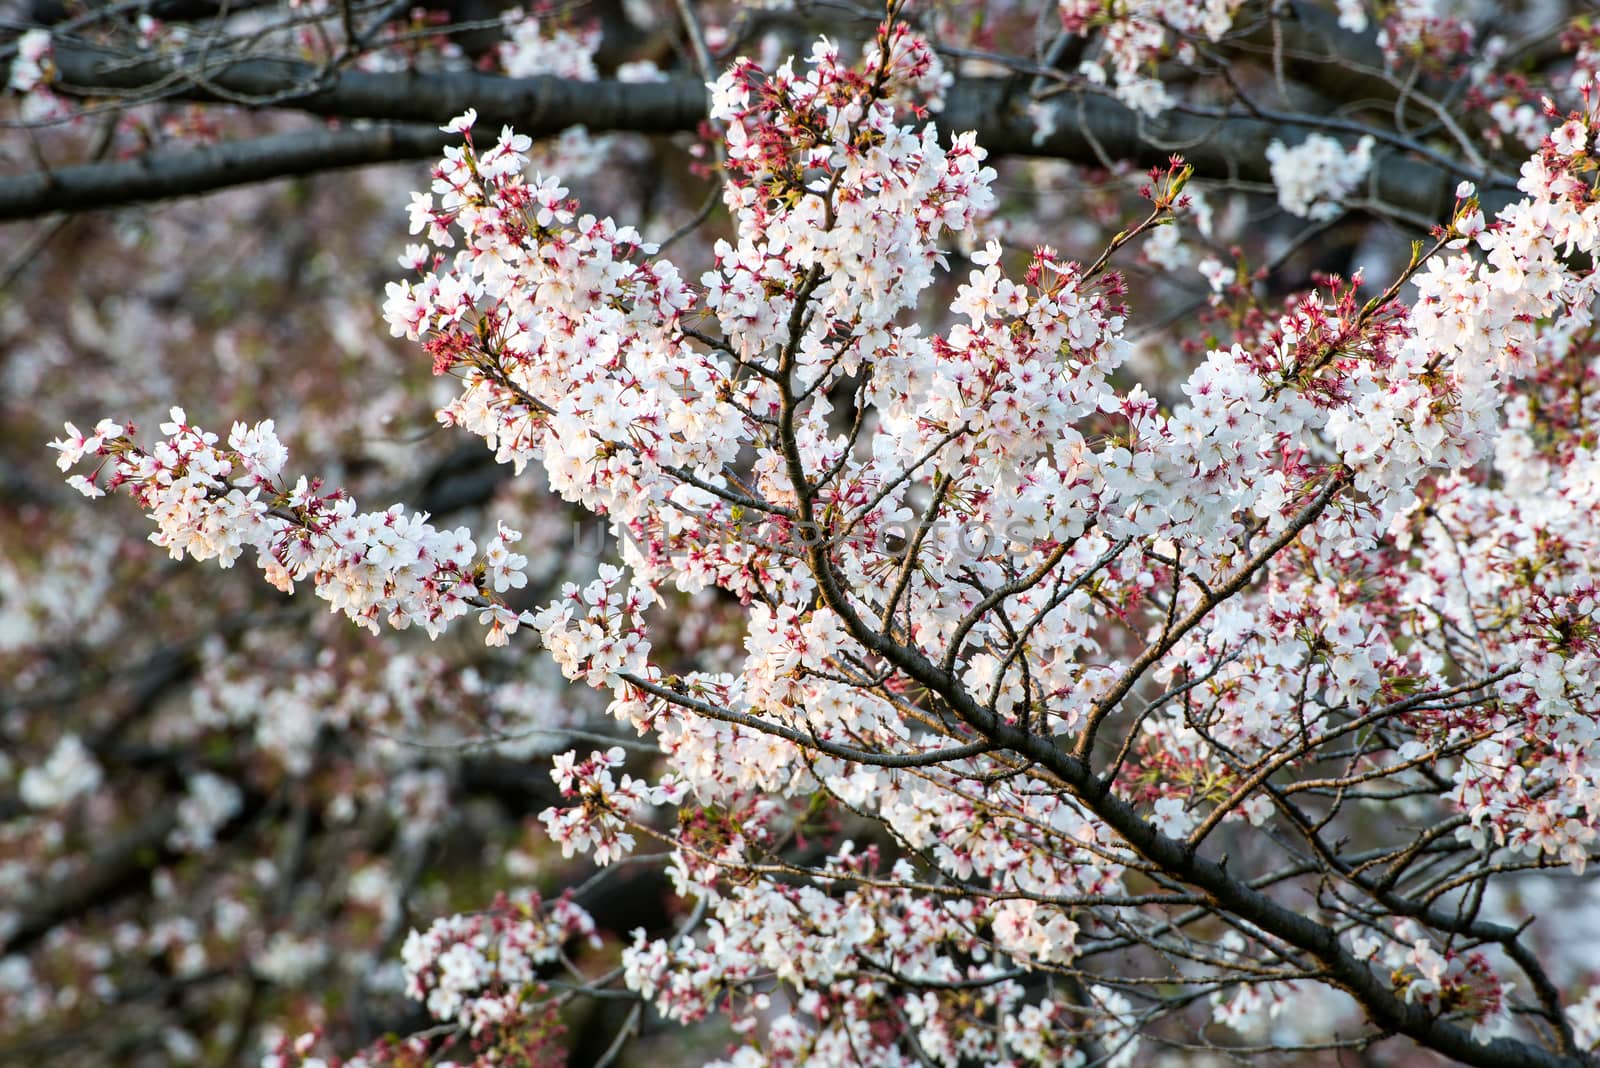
802, 738
1209, 600
1352, 975
1309, 744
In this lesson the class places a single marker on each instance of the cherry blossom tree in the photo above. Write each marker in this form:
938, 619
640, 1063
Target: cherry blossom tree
992, 636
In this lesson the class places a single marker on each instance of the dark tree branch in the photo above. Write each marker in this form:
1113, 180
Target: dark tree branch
538, 106
189, 172
1089, 128
1220, 149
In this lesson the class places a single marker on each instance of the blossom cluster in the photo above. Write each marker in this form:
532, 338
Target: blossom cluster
69, 772
536, 45
32, 67
210, 502
1136, 35
476, 969
815, 941
1315, 175
596, 824
210, 802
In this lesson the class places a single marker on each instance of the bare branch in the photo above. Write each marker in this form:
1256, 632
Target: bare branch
187, 172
